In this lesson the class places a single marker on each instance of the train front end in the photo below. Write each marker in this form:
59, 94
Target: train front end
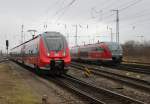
116, 51
54, 55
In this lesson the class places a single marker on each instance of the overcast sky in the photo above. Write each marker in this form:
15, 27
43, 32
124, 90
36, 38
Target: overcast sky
92, 17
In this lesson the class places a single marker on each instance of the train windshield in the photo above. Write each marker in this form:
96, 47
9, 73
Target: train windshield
55, 43
114, 46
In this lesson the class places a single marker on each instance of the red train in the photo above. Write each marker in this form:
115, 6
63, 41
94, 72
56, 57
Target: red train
98, 52
47, 51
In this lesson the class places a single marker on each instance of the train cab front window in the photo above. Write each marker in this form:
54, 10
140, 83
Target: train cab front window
54, 43
114, 46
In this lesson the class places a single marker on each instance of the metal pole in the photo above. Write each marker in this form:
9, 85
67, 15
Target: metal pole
111, 34
66, 33
117, 25
76, 35
141, 38
22, 27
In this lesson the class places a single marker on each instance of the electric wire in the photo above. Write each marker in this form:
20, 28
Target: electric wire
65, 9
131, 4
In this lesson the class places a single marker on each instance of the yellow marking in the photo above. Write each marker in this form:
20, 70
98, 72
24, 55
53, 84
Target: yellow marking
87, 72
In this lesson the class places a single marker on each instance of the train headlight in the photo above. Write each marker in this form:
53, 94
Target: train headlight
48, 54
64, 53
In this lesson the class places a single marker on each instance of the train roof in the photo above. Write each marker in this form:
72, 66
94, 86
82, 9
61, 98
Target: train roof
49, 33
95, 44
52, 33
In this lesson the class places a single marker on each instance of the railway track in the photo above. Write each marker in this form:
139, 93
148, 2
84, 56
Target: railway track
133, 68
138, 68
92, 93
135, 62
95, 95
137, 83
3, 59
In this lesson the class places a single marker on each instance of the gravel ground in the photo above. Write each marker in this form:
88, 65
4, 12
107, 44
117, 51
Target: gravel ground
123, 72
137, 59
12, 88
141, 76
20, 86
111, 85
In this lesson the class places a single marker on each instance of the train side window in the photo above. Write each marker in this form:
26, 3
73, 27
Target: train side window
31, 51
37, 50
95, 48
99, 49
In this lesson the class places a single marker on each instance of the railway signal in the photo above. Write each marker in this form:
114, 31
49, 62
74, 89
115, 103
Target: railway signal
7, 45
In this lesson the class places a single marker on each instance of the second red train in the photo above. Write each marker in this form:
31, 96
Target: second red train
101, 52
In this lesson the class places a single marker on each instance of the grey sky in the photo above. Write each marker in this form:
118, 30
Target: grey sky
97, 14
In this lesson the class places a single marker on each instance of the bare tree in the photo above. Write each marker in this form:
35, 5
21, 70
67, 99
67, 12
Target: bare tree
136, 49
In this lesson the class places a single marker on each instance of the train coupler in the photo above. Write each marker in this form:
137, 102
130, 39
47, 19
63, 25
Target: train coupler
57, 65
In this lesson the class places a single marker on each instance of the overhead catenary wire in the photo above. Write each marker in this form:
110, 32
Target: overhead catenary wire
138, 15
49, 8
141, 21
65, 9
117, 20
60, 12
100, 11
128, 5
52, 6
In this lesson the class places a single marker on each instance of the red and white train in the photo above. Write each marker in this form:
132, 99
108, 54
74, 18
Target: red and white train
101, 52
47, 51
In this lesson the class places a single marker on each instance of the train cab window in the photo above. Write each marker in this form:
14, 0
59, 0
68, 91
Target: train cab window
114, 46
99, 49
54, 43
